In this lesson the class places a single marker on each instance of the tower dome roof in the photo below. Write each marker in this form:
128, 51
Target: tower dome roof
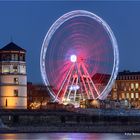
12, 47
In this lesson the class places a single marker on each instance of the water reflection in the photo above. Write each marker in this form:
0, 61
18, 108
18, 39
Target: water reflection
69, 136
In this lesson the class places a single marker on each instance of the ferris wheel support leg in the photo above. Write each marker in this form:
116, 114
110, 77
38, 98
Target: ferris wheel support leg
91, 80
63, 83
83, 81
84, 71
88, 83
67, 84
75, 89
70, 89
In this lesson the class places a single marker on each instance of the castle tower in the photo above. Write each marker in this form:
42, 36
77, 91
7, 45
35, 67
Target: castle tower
13, 78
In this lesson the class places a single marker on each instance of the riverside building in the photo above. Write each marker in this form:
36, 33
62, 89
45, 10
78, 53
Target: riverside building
127, 87
13, 78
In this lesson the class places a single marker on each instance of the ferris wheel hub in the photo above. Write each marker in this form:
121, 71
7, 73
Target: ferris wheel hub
73, 58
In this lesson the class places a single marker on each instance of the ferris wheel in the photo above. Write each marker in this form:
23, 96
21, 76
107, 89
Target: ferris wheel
79, 58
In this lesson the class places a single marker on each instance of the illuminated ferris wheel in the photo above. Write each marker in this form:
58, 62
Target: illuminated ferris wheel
79, 58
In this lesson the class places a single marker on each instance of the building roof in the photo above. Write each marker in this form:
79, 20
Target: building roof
12, 47
101, 77
128, 73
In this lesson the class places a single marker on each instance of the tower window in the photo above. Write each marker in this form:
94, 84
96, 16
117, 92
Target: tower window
16, 93
5, 69
21, 57
22, 69
16, 80
14, 57
7, 57
15, 69
6, 104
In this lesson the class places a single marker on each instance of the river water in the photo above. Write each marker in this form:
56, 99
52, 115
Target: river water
70, 136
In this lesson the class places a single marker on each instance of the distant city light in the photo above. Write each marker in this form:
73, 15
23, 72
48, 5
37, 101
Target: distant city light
73, 58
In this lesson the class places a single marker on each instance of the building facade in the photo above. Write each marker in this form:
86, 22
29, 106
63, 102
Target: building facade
38, 95
127, 87
13, 78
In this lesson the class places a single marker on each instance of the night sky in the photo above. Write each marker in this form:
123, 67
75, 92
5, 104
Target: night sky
26, 24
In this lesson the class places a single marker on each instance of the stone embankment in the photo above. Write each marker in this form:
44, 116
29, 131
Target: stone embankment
90, 120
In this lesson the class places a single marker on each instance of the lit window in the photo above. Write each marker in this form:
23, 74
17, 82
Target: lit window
114, 95
123, 95
16, 57
22, 69
132, 95
137, 95
15, 69
16, 93
16, 80
124, 88
132, 85
21, 57
137, 85
6, 69
127, 95
115, 89
13, 56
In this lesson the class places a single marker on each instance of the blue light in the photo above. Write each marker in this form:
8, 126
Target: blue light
74, 87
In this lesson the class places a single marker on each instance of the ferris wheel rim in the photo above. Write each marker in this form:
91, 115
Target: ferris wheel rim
57, 24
